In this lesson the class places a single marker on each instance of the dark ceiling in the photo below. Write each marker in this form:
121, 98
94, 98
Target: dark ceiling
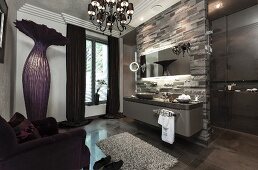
229, 7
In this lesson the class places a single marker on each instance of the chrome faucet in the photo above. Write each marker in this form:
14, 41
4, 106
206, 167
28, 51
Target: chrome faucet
138, 89
230, 86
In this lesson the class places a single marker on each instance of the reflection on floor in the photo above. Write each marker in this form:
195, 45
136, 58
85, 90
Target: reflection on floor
228, 151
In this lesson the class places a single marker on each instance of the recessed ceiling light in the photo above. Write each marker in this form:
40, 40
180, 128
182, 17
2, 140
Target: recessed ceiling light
141, 19
157, 8
219, 5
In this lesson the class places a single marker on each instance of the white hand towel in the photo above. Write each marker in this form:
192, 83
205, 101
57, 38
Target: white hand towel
168, 126
162, 118
168, 134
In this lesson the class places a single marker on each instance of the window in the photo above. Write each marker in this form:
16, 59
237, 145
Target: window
96, 69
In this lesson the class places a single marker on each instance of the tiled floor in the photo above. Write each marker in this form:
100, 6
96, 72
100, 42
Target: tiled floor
229, 151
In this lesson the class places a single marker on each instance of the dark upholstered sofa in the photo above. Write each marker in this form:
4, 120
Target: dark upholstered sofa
64, 151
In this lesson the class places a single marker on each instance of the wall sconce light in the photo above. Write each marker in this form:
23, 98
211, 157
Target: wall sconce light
185, 47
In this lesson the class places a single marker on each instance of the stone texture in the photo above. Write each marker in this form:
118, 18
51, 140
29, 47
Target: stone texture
184, 22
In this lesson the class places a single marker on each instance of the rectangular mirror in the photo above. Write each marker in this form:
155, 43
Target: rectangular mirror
164, 63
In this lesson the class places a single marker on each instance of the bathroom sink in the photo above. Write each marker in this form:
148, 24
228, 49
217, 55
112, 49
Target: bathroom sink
148, 96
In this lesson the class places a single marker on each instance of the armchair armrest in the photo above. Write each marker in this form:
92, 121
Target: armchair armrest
64, 151
46, 127
61, 137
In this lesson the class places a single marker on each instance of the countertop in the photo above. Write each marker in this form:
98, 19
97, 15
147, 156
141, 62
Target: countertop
158, 102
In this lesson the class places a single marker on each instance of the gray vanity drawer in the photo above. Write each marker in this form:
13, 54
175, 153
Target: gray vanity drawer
187, 123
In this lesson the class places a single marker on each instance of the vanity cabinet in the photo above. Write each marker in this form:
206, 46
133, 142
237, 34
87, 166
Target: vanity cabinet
188, 119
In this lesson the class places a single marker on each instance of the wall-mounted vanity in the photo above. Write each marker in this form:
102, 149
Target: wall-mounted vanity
188, 116
171, 77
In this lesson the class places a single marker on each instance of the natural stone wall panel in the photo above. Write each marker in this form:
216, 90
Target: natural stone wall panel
199, 71
184, 22
200, 78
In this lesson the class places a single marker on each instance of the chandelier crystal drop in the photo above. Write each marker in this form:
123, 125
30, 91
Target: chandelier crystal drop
104, 14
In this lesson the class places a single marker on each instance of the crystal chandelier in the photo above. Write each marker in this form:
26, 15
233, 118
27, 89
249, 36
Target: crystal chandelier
105, 13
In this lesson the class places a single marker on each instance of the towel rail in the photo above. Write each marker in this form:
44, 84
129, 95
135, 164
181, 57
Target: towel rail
170, 113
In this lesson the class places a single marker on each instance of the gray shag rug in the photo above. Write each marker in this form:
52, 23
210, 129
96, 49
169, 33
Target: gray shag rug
136, 153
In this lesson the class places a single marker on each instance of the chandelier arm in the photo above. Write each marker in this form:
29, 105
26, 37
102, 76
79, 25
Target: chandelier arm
105, 16
101, 25
95, 24
129, 20
117, 25
103, 29
115, 14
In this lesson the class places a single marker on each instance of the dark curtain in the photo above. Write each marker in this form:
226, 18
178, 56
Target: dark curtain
113, 103
76, 75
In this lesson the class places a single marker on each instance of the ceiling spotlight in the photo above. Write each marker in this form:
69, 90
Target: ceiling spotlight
219, 5
157, 8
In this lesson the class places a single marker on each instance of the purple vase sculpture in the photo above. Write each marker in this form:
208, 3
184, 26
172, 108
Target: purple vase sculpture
36, 72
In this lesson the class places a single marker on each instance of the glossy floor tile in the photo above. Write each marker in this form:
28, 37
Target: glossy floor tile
229, 150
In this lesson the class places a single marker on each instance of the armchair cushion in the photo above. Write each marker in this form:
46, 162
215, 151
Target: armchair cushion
26, 131
46, 127
23, 128
16, 119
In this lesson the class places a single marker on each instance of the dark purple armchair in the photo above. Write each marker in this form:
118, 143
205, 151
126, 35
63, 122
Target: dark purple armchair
64, 151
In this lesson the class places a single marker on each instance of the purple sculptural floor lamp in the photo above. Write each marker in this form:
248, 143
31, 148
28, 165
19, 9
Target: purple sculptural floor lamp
36, 72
